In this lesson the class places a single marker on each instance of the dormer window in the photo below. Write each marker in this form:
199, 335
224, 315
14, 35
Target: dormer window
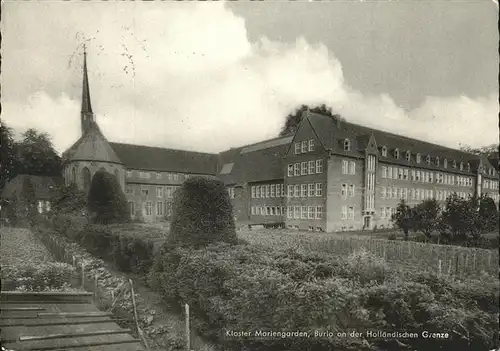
396, 153
419, 158
461, 166
437, 161
384, 151
428, 159
454, 164
468, 167
408, 156
347, 145
445, 163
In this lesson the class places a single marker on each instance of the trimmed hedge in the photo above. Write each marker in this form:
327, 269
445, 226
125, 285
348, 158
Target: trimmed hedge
107, 199
202, 214
246, 287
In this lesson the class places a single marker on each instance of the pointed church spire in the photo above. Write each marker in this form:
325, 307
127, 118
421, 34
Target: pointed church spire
87, 115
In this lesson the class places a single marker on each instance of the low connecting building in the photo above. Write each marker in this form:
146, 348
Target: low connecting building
330, 175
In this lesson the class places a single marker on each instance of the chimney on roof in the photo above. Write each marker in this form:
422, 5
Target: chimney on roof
86, 114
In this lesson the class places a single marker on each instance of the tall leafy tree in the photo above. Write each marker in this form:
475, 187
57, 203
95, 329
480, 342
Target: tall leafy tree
426, 217
106, 199
8, 157
404, 218
488, 214
37, 155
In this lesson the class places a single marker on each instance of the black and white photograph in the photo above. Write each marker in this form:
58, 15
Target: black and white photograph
272, 175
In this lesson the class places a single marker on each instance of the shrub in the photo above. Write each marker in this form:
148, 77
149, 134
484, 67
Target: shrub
368, 266
47, 276
107, 200
202, 214
404, 218
69, 200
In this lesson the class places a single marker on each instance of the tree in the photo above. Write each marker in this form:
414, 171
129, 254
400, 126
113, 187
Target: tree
107, 200
426, 217
36, 155
488, 214
293, 119
202, 214
460, 218
29, 200
404, 218
69, 199
8, 157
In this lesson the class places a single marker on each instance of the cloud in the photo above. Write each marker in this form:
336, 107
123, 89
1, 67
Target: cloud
156, 81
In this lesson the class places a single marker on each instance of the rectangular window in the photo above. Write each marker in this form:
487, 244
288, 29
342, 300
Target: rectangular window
297, 148
319, 212
145, 191
383, 192
303, 168
158, 175
267, 190
290, 170
431, 177
131, 208
310, 145
303, 148
290, 190
343, 214
319, 189
257, 191
148, 208
310, 190
343, 192
253, 192
345, 166
129, 174
159, 208
296, 190
310, 212
129, 190
289, 213
352, 167
303, 190
273, 211
405, 194
282, 190
311, 167
405, 175
384, 172
252, 210
273, 190
400, 173
351, 190
296, 212
296, 169
418, 176
389, 172
394, 193
159, 191
350, 213
303, 212
412, 175
319, 166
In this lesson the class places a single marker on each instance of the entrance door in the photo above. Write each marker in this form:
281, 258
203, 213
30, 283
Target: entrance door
367, 222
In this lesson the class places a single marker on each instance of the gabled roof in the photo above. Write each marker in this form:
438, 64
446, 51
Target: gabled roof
92, 146
254, 163
44, 186
333, 131
166, 160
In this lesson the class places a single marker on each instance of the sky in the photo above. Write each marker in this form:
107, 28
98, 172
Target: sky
208, 76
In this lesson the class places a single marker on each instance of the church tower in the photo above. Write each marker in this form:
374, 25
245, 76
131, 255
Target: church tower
86, 114
92, 151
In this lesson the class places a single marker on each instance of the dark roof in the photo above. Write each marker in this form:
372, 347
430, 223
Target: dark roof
91, 146
166, 160
332, 131
254, 163
44, 186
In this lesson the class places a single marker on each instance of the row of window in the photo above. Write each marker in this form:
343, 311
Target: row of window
267, 191
418, 159
161, 191
305, 190
158, 175
305, 212
387, 212
424, 177
302, 147
419, 194
268, 210
490, 184
305, 168
161, 208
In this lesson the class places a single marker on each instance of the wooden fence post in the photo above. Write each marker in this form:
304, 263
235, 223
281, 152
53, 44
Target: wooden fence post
449, 267
439, 268
83, 276
188, 334
95, 287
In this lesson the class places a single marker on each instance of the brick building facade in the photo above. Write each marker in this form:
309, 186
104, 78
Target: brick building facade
330, 175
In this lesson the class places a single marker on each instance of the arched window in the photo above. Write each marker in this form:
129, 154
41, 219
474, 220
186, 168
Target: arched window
86, 179
347, 145
428, 159
419, 158
396, 153
384, 151
73, 175
408, 156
